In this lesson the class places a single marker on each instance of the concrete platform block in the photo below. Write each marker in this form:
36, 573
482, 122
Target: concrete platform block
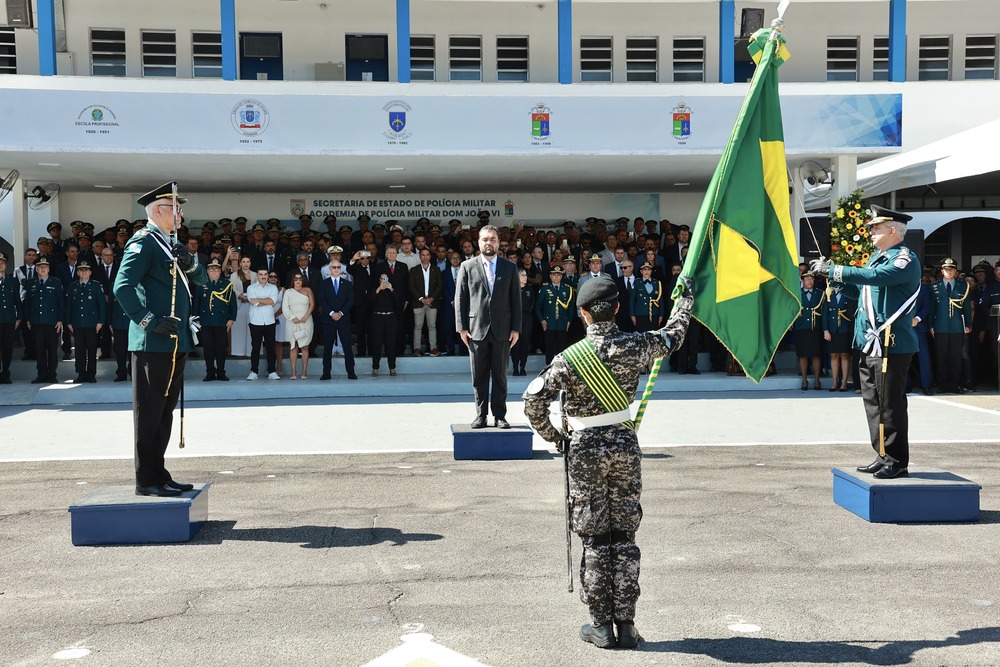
491, 444
115, 515
928, 495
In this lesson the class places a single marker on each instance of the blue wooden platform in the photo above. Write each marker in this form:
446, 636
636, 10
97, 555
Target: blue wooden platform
491, 444
115, 515
928, 495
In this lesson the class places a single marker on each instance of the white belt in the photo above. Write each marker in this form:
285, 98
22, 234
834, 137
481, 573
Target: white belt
607, 419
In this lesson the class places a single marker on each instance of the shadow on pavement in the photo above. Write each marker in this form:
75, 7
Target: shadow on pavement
309, 537
760, 650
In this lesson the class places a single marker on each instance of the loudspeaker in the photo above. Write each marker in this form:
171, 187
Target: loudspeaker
914, 240
751, 20
19, 14
821, 227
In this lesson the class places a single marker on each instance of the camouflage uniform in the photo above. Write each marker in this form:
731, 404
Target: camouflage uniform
605, 462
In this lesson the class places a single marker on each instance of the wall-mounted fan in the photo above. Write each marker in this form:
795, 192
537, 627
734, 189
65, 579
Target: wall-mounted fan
42, 196
814, 176
8, 183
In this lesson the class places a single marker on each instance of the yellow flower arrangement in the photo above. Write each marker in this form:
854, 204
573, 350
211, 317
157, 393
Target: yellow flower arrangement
850, 241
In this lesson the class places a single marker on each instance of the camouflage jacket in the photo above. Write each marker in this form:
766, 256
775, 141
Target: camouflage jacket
622, 352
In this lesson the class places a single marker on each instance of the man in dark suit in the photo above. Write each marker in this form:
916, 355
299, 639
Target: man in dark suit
399, 278
625, 284
105, 273
488, 314
425, 285
336, 296
362, 274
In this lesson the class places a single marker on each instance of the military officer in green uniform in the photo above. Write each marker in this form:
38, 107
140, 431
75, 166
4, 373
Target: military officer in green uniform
554, 308
215, 306
604, 459
154, 289
886, 290
86, 315
950, 322
11, 314
44, 307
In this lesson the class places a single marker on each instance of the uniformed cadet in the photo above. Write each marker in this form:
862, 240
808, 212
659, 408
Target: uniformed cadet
648, 307
886, 290
215, 306
808, 330
86, 314
11, 314
991, 300
604, 459
44, 308
950, 322
838, 326
554, 309
153, 287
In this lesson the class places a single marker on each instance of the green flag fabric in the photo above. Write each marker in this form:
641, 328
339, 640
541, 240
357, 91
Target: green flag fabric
742, 255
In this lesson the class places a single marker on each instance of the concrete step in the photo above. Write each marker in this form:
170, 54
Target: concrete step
423, 376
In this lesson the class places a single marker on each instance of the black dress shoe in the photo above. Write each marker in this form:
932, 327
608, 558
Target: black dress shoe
39, 380
891, 472
352, 376
601, 636
478, 422
6, 380
628, 636
120, 379
928, 392
180, 486
324, 377
874, 466
158, 490
502, 423
222, 377
208, 378
694, 371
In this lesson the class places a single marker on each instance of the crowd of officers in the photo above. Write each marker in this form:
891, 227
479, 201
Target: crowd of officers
955, 317
58, 304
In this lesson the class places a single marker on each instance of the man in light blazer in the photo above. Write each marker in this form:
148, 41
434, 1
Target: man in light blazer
488, 317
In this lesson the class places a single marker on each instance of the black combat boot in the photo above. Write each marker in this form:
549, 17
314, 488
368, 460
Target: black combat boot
628, 636
601, 636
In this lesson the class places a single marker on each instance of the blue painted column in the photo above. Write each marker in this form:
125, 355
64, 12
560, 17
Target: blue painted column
228, 27
897, 40
403, 40
565, 41
47, 37
727, 37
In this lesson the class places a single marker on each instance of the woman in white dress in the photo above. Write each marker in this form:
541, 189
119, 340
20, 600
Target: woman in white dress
241, 279
279, 322
297, 305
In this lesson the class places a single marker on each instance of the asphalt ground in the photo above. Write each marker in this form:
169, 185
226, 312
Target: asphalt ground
365, 547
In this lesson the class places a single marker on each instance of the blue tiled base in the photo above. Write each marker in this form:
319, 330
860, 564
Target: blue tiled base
927, 495
115, 515
491, 444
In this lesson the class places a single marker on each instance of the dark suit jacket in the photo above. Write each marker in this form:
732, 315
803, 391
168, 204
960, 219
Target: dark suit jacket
482, 313
611, 270
98, 273
314, 278
416, 286
624, 316
341, 301
63, 274
364, 284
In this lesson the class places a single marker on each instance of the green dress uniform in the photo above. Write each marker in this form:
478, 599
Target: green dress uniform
604, 459
86, 307
11, 312
555, 306
951, 315
147, 290
648, 304
215, 306
886, 290
44, 306
838, 319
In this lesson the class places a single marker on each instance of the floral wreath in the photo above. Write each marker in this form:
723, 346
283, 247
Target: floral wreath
850, 240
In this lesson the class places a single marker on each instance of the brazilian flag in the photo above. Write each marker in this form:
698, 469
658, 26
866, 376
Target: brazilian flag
742, 255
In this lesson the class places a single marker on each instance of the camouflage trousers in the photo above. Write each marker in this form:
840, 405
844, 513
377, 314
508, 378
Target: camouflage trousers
605, 481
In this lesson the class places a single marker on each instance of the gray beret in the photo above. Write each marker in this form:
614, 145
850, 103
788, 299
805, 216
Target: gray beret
602, 288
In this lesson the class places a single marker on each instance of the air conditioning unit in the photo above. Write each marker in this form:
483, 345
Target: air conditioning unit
329, 71
19, 14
